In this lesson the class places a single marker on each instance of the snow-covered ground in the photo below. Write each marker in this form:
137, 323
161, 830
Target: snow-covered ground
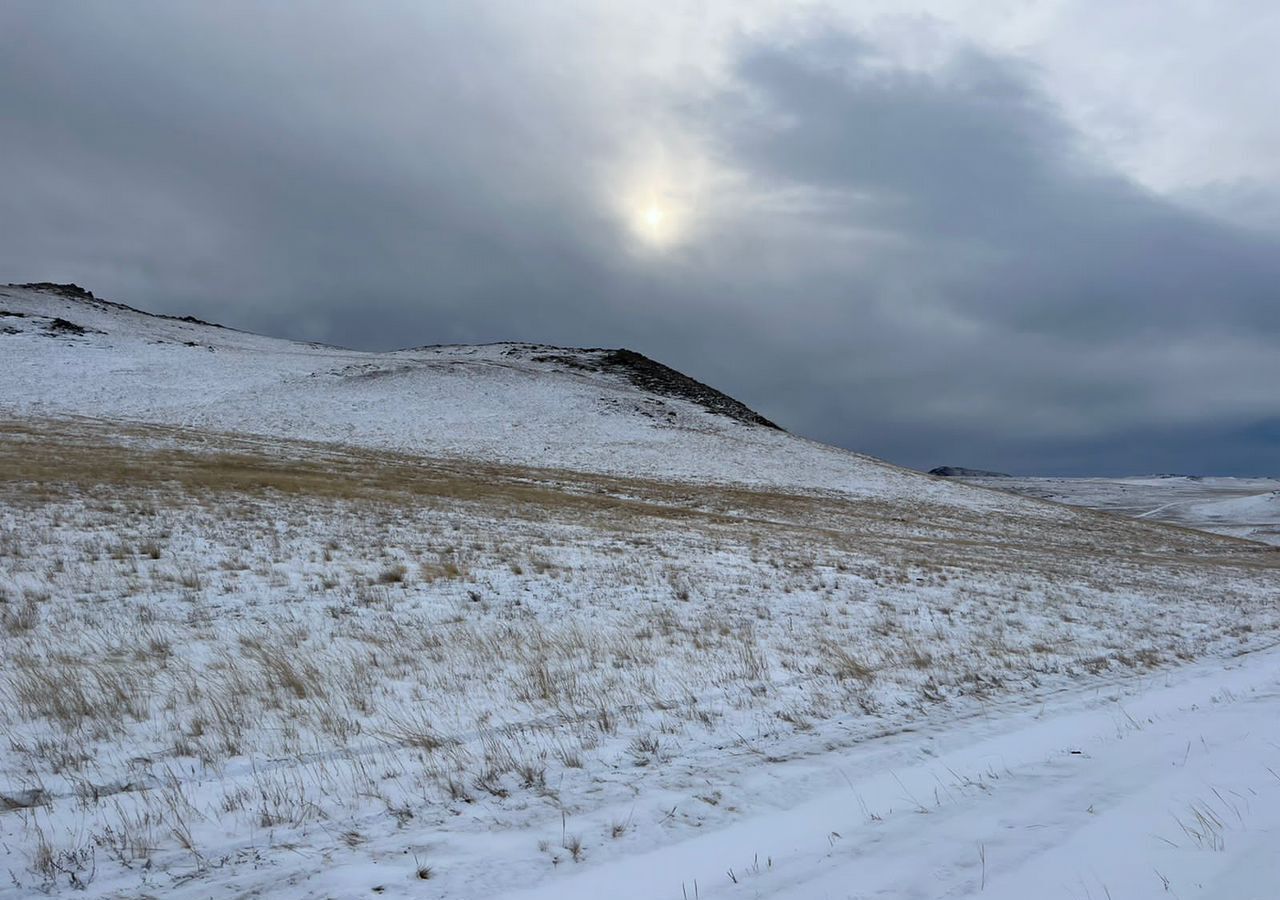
275, 669
1239, 507
289, 621
1143, 787
513, 403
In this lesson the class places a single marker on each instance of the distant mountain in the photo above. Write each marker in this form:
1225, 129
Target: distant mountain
961, 472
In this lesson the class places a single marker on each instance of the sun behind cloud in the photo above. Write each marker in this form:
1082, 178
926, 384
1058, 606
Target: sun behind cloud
658, 192
656, 219
667, 190
653, 222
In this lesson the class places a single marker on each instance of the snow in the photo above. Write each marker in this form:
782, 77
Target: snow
235, 666
1100, 793
1256, 508
1239, 507
497, 402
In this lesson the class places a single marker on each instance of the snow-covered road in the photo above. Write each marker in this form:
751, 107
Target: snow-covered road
1168, 787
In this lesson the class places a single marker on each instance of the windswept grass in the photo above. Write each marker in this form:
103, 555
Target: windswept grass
203, 636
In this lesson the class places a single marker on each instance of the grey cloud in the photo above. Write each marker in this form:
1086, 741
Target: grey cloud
1024, 294
926, 266
282, 174
974, 162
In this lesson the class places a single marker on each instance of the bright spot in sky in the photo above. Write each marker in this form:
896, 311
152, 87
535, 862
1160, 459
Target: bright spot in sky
653, 223
657, 194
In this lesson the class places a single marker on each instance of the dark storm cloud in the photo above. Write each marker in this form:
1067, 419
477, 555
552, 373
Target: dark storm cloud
1018, 295
372, 174
974, 158
926, 266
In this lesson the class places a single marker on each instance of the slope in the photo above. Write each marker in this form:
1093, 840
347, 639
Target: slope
587, 410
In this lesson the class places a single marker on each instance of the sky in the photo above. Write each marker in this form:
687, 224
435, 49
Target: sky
1040, 237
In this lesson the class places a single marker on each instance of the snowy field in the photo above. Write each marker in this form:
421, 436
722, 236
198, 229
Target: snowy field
1240, 507
274, 669
279, 620
1163, 786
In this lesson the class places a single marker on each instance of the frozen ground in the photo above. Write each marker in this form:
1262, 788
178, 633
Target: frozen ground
276, 669
288, 621
1164, 786
1240, 507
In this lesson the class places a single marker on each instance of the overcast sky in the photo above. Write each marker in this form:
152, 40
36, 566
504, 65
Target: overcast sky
1041, 237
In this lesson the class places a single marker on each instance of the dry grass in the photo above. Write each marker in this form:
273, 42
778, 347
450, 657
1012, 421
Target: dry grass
201, 637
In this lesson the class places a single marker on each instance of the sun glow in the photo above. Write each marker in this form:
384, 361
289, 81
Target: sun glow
653, 221
658, 196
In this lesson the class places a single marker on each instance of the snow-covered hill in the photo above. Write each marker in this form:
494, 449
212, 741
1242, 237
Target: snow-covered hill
63, 353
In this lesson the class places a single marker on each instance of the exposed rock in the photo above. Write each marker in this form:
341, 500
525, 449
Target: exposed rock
62, 326
961, 472
74, 291
654, 377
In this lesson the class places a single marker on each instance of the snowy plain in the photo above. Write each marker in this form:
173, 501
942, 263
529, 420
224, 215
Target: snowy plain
1240, 507
289, 621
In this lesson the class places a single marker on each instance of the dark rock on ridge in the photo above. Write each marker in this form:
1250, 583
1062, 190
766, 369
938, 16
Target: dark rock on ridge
961, 472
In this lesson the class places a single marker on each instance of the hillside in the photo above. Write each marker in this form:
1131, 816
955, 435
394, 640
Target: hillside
63, 353
286, 620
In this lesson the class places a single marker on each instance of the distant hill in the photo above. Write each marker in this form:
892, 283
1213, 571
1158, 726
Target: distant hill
961, 472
